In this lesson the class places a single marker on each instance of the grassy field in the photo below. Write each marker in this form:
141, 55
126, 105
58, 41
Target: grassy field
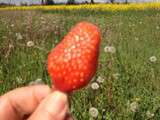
128, 76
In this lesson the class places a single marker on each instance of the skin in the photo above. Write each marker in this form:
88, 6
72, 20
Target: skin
34, 103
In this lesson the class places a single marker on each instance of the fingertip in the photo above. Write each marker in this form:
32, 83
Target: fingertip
55, 106
41, 91
59, 96
56, 102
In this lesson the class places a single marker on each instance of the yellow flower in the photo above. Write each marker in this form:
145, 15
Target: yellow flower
102, 7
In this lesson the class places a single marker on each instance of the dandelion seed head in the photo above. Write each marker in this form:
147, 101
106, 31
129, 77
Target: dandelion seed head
30, 44
153, 59
109, 49
134, 106
93, 112
95, 86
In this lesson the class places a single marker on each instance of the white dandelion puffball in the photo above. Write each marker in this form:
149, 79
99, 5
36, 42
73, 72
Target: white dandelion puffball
100, 79
134, 106
153, 59
110, 49
93, 112
95, 86
30, 43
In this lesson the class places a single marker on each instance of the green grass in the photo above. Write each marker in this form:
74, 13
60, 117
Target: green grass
134, 34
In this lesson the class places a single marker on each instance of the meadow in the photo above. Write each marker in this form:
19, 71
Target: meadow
127, 83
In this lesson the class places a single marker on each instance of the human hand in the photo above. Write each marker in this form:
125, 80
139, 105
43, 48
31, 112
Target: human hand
34, 103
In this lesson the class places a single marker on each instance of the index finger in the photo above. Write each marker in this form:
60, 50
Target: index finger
22, 101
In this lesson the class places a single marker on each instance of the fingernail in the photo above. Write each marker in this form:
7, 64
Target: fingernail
57, 103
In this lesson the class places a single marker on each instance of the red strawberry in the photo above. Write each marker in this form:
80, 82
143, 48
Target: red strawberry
73, 62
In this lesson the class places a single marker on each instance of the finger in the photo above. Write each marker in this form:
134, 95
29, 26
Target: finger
17, 103
54, 107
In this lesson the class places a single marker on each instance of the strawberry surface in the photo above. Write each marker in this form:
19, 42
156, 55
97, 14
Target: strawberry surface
73, 62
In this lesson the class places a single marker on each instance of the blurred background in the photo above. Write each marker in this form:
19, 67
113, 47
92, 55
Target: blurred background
50, 2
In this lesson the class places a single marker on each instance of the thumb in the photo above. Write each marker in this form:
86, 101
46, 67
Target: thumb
54, 107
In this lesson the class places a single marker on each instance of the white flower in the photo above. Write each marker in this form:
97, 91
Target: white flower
30, 43
116, 75
19, 36
110, 49
134, 106
153, 59
95, 86
149, 114
100, 79
93, 112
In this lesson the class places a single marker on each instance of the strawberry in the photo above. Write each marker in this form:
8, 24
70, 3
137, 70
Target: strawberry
73, 62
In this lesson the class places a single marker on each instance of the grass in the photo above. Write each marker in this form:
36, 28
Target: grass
134, 33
